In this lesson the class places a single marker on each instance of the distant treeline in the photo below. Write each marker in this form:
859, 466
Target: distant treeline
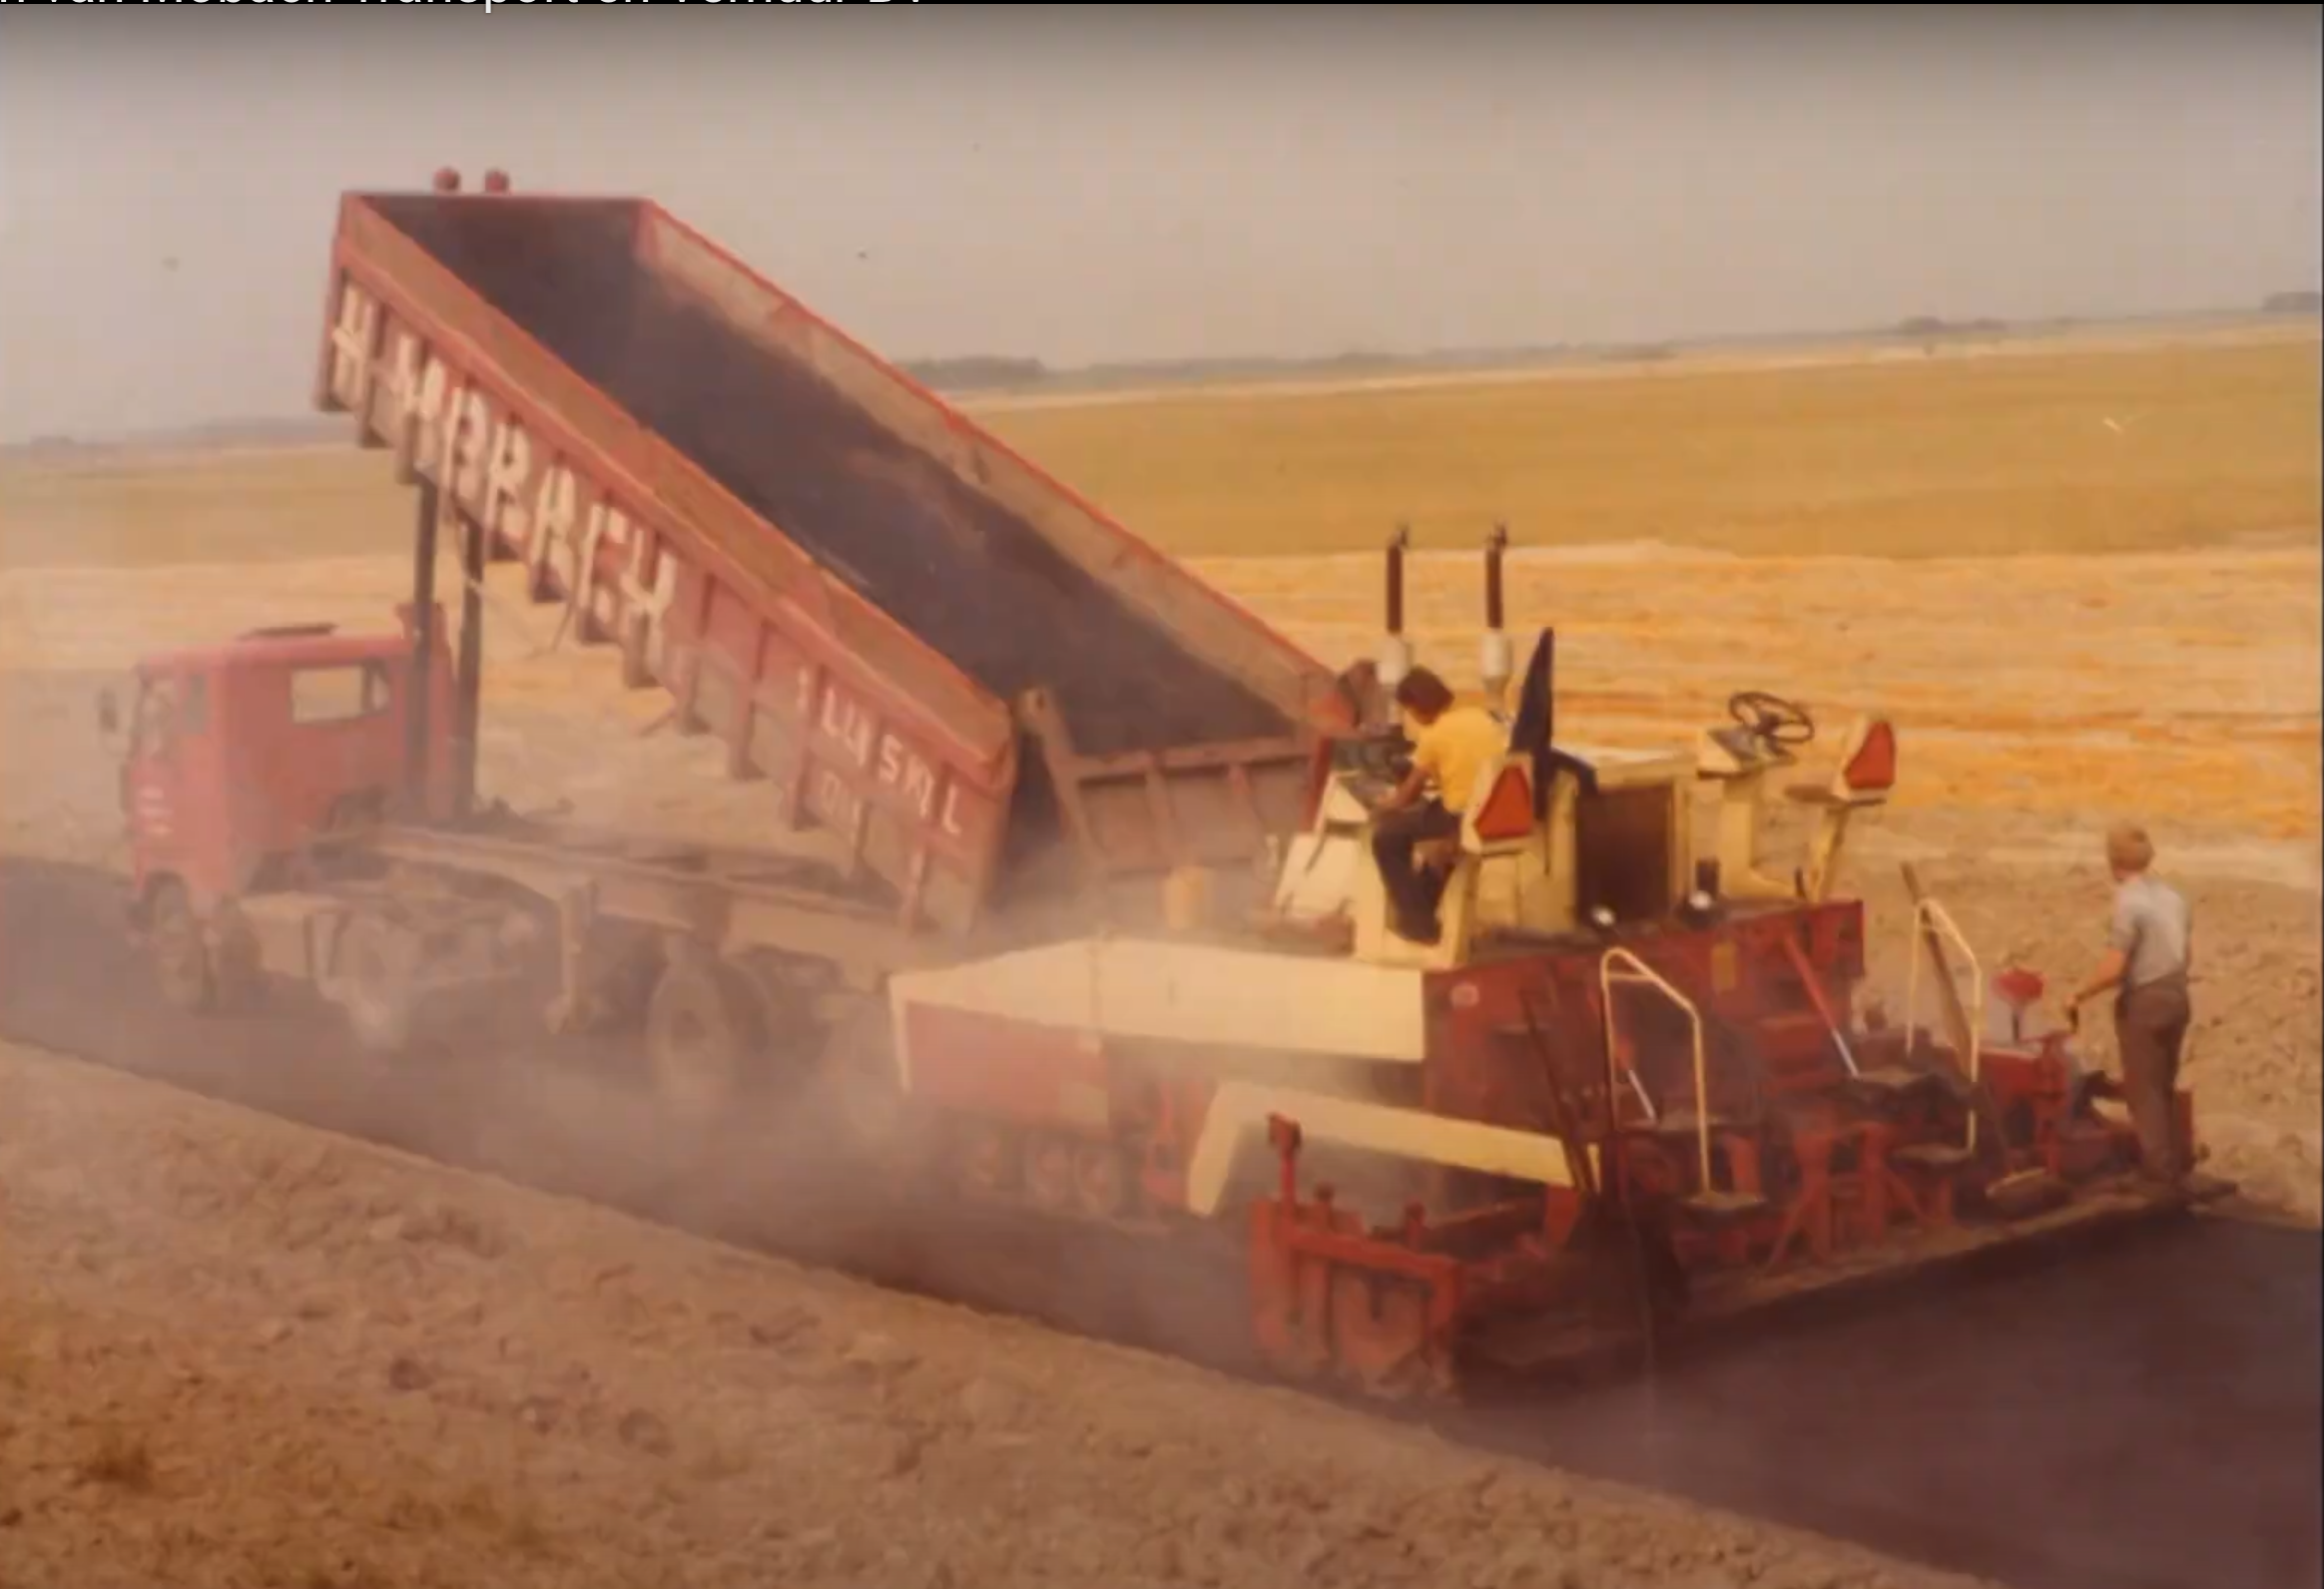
1920, 325
977, 371
985, 372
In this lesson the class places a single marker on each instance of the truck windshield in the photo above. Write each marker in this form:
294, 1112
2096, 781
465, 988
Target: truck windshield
168, 708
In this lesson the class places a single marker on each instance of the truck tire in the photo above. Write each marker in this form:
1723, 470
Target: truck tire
619, 993
376, 982
858, 1095
237, 975
791, 1036
180, 956
702, 1034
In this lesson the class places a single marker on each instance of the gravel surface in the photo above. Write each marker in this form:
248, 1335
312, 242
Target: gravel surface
241, 1353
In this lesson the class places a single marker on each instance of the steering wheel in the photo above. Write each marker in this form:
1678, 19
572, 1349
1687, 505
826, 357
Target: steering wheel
1771, 719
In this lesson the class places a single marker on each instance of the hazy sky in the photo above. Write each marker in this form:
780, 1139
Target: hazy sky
1095, 183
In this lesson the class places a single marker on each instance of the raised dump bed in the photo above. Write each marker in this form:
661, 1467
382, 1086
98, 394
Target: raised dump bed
886, 613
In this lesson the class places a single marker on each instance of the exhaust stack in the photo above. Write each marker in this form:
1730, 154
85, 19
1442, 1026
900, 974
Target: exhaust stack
1395, 652
1495, 664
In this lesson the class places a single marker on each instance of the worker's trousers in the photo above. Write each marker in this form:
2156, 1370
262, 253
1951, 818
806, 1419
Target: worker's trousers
1395, 836
2151, 1029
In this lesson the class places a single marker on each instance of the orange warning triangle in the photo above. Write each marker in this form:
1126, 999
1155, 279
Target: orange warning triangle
1874, 766
1508, 811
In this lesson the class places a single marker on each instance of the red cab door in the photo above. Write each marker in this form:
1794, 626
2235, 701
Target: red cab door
169, 791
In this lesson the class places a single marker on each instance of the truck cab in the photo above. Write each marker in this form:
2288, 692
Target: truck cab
239, 754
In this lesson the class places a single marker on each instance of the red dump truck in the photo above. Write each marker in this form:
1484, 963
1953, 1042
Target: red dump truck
994, 698
1066, 855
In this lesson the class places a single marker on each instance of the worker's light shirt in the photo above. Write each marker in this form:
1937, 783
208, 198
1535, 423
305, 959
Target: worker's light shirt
2153, 927
1455, 749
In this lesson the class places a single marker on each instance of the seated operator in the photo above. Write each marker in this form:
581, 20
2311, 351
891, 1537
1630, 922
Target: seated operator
1452, 744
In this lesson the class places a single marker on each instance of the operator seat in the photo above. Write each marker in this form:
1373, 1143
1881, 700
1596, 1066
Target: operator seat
1491, 827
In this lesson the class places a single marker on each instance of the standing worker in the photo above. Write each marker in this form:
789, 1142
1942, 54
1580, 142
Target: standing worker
2150, 940
1454, 746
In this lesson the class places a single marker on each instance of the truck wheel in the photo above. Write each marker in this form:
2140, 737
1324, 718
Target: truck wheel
702, 1034
853, 1088
181, 957
237, 969
378, 977
618, 994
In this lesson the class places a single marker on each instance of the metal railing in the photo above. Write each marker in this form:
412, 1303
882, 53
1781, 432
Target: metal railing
1929, 914
1635, 972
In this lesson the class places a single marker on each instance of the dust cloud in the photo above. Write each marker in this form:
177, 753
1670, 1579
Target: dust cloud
406, 1372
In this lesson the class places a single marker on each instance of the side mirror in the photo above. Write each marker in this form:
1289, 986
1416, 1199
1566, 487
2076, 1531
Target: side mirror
108, 713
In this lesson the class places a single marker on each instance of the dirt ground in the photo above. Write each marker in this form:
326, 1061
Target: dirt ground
2051, 447
238, 1353
232, 1351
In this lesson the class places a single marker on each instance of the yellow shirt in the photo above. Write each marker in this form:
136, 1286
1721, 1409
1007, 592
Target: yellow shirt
1455, 749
